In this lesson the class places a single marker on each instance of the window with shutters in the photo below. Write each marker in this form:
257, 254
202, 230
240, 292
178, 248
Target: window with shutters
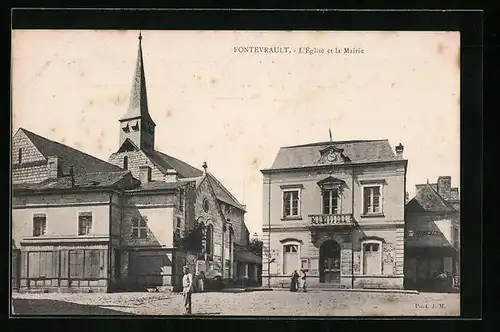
84, 263
40, 264
84, 223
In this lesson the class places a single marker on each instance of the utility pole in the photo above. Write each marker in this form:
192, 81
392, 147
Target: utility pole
352, 231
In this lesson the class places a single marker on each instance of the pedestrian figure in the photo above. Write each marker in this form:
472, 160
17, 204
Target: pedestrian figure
202, 281
303, 280
187, 289
294, 281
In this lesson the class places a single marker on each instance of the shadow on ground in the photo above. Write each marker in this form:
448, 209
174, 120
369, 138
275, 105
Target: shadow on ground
54, 307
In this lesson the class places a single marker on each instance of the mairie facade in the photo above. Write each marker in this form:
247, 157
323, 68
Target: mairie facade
130, 223
336, 210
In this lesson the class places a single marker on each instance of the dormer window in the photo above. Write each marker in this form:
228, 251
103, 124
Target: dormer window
125, 162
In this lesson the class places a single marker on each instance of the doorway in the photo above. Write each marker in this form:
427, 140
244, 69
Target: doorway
329, 259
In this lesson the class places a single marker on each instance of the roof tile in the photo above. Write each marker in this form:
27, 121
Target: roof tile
357, 151
81, 162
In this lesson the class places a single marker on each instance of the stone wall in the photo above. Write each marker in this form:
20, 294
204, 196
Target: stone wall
135, 160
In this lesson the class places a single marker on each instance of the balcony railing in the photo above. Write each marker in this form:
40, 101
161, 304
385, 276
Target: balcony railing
331, 219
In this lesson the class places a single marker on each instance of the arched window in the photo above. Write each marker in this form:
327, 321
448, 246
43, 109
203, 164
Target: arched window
125, 162
209, 240
291, 256
371, 257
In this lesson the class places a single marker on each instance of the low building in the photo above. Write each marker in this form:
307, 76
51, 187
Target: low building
432, 235
336, 210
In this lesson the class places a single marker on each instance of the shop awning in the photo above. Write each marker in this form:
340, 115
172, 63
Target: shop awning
247, 257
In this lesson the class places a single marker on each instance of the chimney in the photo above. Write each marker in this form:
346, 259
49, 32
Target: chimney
399, 151
53, 167
444, 187
171, 175
144, 174
454, 194
418, 187
72, 176
205, 166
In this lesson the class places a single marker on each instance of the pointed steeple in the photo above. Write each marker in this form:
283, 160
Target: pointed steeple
137, 124
138, 104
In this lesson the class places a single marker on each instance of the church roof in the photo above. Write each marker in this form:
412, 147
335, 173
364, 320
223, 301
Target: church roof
428, 199
223, 194
357, 151
138, 104
67, 156
164, 162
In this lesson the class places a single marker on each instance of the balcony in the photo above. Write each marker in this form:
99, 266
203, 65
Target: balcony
325, 220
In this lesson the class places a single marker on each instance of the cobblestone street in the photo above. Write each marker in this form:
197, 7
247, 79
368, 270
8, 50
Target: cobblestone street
268, 303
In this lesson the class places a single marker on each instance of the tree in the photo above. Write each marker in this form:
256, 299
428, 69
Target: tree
255, 245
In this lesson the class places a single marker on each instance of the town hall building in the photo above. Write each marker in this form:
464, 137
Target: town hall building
130, 223
335, 210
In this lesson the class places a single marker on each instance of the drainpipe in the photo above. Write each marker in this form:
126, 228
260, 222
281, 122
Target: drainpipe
352, 231
269, 238
222, 260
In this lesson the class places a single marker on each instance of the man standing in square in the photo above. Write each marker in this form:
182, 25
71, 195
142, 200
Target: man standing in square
187, 289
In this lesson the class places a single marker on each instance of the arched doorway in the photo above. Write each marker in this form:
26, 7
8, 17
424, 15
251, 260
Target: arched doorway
329, 259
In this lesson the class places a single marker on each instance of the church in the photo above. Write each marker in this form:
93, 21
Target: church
81, 224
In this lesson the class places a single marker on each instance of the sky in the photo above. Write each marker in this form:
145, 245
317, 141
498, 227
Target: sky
234, 110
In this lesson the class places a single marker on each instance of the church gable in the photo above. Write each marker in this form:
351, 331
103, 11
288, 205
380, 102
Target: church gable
207, 211
133, 160
127, 146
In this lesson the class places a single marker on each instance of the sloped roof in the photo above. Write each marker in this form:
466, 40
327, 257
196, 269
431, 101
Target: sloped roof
243, 255
82, 180
427, 199
156, 185
81, 162
222, 193
165, 162
358, 151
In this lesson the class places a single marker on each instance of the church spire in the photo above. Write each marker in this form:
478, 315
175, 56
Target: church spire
138, 104
137, 126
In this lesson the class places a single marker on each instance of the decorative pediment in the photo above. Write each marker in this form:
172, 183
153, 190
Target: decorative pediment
332, 155
331, 182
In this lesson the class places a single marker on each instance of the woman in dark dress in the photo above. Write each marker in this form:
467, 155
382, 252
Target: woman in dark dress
294, 281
